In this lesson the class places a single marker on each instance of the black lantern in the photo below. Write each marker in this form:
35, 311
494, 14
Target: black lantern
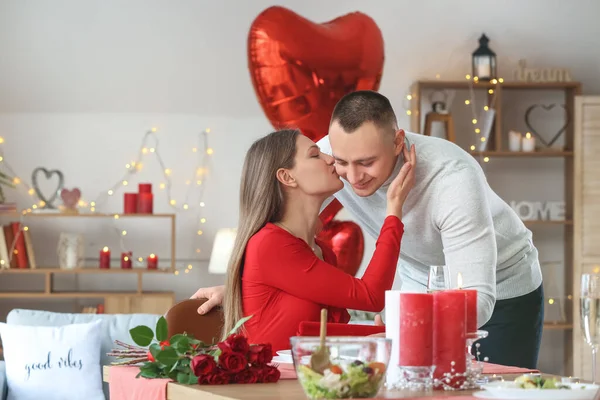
484, 61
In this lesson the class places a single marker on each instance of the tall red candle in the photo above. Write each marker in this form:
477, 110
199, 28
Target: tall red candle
145, 203
449, 333
126, 262
105, 258
130, 203
471, 310
416, 330
145, 188
471, 305
152, 261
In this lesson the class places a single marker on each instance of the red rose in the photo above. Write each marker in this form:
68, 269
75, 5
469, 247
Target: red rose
260, 354
164, 343
248, 375
218, 377
270, 374
203, 364
236, 343
232, 362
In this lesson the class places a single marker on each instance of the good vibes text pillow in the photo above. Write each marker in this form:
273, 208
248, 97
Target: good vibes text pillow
53, 362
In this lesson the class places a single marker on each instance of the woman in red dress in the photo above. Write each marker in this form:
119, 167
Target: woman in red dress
278, 272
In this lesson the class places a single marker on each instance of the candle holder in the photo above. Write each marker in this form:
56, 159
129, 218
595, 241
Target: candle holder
452, 381
472, 337
474, 365
418, 379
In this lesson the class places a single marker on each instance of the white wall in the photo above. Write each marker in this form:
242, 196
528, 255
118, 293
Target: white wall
82, 81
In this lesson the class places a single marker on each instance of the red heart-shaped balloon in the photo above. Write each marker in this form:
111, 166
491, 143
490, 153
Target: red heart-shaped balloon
346, 240
301, 69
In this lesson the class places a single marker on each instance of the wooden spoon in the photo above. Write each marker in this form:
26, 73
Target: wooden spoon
319, 361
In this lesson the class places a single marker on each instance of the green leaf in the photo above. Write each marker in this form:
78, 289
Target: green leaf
239, 324
141, 335
175, 367
150, 370
185, 362
182, 346
193, 379
176, 338
172, 375
167, 357
215, 353
182, 377
155, 349
161, 329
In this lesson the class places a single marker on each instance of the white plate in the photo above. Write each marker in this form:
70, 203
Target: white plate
285, 353
508, 390
282, 360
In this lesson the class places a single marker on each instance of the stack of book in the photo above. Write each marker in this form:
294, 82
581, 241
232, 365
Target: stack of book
16, 249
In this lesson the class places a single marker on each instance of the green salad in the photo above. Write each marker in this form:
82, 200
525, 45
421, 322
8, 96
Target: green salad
342, 381
538, 382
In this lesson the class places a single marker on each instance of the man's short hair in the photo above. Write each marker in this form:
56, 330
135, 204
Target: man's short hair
356, 108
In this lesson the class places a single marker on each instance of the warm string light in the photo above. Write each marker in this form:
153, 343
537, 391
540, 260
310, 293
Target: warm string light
471, 102
477, 118
150, 148
200, 171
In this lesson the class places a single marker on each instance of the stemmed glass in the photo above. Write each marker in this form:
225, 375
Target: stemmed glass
589, 307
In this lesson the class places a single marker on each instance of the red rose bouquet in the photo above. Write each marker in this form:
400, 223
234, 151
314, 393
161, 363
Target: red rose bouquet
187, 360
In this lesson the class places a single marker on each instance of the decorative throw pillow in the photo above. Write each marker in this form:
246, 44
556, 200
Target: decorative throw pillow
53, 362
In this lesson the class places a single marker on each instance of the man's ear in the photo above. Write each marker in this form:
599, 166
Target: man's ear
283, 175
399, 141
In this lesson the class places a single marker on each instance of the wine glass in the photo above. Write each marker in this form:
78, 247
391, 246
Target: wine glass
589, 306
439, 278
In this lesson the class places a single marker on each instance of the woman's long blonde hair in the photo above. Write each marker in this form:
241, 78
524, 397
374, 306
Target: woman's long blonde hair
261, 201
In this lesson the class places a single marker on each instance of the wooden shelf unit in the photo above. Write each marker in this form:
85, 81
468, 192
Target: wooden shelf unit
496, 148
115, 302
495, 144
586, 218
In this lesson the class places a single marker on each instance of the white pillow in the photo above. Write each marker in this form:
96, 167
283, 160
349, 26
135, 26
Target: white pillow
61, 363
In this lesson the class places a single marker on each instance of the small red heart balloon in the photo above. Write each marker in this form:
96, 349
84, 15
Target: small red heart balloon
301, 69
346, 240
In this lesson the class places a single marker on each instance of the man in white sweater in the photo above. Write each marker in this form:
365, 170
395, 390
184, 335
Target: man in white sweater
452, 217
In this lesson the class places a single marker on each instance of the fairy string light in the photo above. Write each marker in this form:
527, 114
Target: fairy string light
477, 113
149, 147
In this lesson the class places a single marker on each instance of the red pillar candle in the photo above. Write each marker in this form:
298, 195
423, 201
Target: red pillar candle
130, 203
471, 310
449, 334
145, 188
471, 305
126, 262
105, 258
416, 330
145, 203
152, 261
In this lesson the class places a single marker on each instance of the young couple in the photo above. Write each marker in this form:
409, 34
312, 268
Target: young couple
279, 274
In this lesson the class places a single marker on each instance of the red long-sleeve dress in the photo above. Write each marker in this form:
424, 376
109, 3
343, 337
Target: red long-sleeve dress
285, 283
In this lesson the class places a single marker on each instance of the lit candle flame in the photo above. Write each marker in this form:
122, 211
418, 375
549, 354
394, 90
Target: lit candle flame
459, 280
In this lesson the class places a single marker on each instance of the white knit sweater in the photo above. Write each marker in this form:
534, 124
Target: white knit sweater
452, 217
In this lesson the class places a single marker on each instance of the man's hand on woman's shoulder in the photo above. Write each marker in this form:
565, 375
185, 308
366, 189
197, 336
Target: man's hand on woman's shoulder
214, 294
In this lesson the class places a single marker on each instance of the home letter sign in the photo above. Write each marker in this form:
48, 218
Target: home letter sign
537, 210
